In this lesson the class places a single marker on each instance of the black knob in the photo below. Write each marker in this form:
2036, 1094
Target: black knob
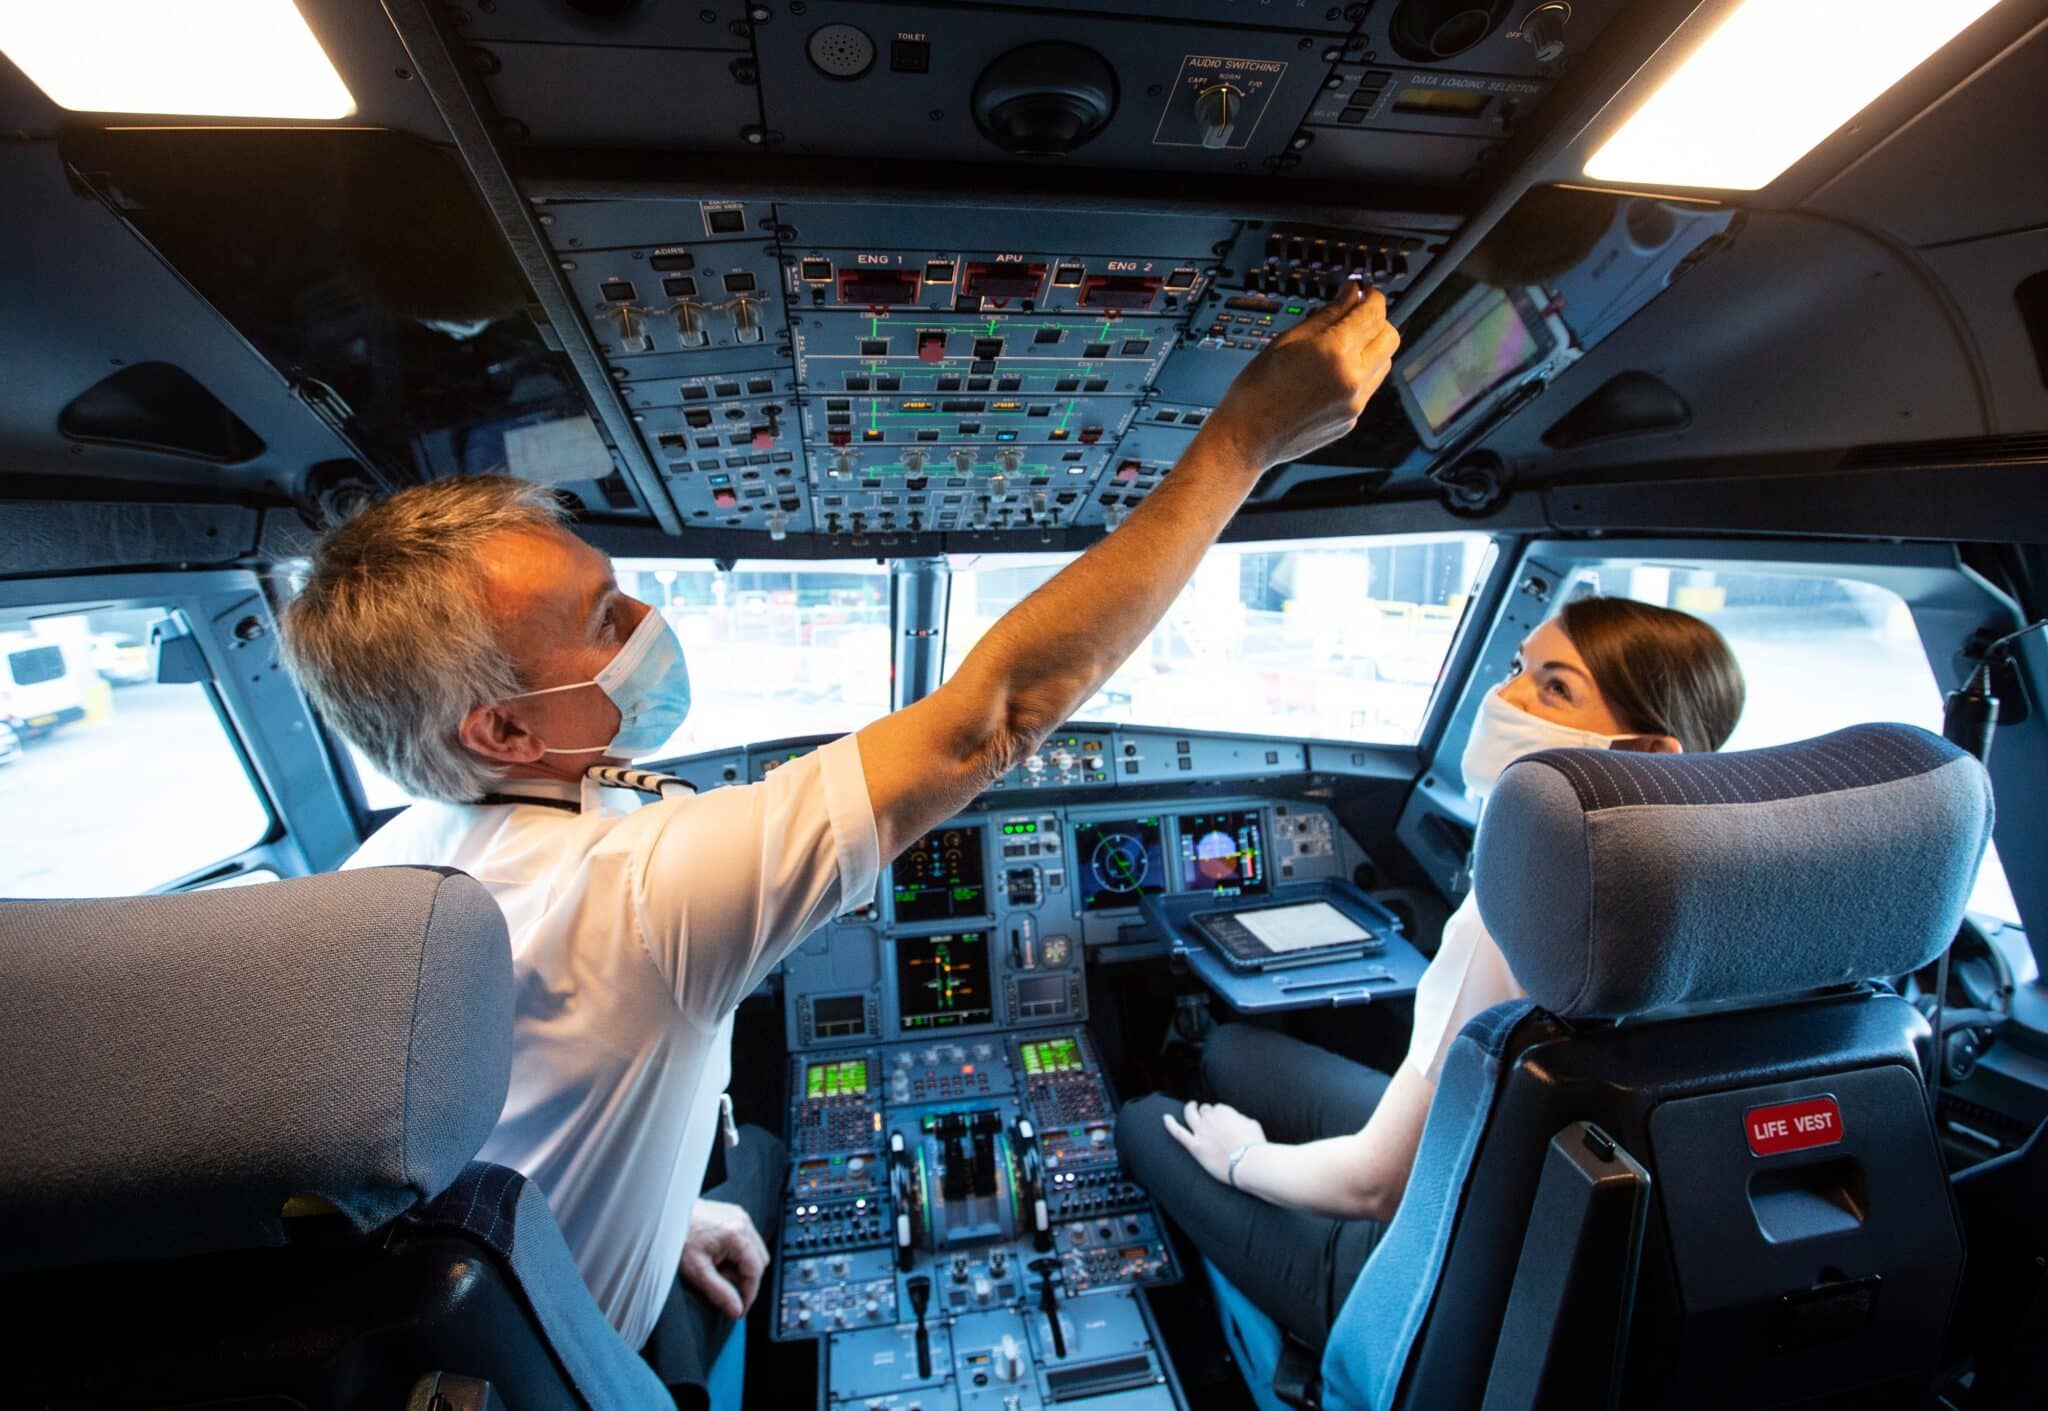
1045, 99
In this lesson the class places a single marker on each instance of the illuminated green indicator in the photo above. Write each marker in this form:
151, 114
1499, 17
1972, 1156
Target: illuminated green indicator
1050, 1056
1296, 309
1020, 827
848, 1077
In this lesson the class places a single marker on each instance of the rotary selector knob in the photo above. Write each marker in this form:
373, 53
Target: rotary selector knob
1063, 760
1217, 108
1543, 28
1034, 764
1094, 763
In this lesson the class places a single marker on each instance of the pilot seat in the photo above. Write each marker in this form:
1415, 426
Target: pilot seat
1697, 1167
235, 1166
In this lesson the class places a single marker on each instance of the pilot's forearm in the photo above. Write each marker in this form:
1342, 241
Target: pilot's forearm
1051, 652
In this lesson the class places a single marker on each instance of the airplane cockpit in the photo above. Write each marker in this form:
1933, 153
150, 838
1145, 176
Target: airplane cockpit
1265, 704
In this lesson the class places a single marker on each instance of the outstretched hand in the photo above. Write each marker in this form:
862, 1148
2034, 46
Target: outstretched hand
1309, 386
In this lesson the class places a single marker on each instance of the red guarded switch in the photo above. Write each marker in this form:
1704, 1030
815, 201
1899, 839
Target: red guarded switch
1090, 435
839, 435
764, 438
931, 346
725, 499
1128, 471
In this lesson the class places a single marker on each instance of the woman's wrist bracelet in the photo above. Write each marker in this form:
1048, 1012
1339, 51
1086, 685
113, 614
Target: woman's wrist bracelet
1237, 1155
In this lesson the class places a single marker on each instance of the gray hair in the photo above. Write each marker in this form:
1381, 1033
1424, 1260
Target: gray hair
391, 637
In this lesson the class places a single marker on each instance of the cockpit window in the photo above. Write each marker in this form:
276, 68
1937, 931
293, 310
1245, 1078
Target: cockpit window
111, 783
775, 649
1819, 653
1339, 639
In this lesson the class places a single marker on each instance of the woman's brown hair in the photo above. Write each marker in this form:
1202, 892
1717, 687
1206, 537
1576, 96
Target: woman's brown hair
1662, 672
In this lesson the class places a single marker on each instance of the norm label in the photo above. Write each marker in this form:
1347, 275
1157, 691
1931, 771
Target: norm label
1793, 1126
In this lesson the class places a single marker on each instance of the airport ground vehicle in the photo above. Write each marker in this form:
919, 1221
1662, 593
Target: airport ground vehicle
41, 683
842, 323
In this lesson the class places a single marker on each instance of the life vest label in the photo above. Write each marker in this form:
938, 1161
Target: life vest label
1793, 1126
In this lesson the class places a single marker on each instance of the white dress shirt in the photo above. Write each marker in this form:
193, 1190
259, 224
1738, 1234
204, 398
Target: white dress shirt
1468, 976
636, 930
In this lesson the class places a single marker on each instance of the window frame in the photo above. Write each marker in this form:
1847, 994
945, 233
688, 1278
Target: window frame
265, 719
1948, 600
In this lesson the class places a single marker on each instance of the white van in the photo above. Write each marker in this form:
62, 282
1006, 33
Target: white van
42, 683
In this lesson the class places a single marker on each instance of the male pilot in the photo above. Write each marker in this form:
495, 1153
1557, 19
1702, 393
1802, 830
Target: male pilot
482, 656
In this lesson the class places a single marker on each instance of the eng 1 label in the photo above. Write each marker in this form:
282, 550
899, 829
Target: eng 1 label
1793, 1126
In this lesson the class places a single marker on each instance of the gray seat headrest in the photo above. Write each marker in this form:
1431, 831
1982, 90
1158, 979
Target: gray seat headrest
174, 1068
1617, 883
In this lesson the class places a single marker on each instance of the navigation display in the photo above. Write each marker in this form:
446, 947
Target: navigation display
846, 1078
1118, 862
942, 981
1050, 1056
1222, 853
940, 877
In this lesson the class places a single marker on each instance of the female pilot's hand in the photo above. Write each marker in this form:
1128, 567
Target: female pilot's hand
1213, 1131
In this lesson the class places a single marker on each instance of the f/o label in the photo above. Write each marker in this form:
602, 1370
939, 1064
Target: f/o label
1793, 1126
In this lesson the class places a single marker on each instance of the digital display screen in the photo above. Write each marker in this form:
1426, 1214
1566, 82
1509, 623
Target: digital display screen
1481, 349
1051, 1056
839, 1016
1118, 862
1041, 997
940, 877
942, 981
846, 1078
1222, 853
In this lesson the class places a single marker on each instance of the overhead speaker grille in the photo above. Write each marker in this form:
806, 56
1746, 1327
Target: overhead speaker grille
1430, 31
842, 51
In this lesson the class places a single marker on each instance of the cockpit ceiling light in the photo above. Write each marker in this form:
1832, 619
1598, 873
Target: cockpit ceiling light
1768, 84
201, 58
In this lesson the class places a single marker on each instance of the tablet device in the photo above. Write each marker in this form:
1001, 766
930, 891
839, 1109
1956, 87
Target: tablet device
1293, 933
1487, 345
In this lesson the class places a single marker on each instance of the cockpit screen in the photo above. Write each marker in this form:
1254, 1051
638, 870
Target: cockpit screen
1118, 862
846, 1078
1051, 1056
942, 981
1222, 853
940, 877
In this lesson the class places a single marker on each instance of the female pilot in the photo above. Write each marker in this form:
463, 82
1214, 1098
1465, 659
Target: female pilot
1288, 1179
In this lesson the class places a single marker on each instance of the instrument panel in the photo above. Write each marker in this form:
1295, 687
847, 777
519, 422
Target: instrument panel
958, 1230
985, 922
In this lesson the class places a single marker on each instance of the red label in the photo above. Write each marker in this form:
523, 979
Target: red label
1793, 1126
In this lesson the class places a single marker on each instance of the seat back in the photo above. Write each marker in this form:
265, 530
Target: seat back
236, 1159
1694, 933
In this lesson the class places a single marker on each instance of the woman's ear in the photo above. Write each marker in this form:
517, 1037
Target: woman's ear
496, 734
1648, 744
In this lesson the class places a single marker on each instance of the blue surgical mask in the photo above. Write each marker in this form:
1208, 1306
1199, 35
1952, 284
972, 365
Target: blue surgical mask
650, 684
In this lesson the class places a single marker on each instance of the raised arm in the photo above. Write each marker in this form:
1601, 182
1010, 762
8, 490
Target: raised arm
1051, 652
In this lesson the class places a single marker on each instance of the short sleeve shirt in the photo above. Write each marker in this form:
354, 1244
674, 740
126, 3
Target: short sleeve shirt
636, 930
1468, 976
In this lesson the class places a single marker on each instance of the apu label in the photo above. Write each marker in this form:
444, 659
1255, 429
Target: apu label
1793, 1126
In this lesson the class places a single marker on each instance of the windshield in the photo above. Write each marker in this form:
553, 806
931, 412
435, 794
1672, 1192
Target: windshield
1339, 639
